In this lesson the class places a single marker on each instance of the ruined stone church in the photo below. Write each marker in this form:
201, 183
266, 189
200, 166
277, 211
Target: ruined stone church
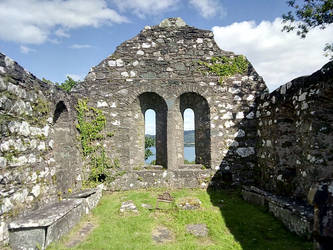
277, 145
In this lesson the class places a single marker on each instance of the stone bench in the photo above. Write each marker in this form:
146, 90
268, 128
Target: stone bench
296, 216
39, 228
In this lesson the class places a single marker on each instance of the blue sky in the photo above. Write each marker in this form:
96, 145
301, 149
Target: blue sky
56, 38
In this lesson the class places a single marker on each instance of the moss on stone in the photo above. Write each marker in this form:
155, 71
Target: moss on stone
42, 106
226, 66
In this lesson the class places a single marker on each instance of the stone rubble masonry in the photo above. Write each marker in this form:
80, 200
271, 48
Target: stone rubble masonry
159, 69
295, 135
38, 156
321, 197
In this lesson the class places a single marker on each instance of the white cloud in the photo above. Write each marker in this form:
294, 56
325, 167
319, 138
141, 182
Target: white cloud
26, 50
33, 21
277, 56
208, 8
188, 119
80, 46
142, 8
150, 122
75, 77
61, 33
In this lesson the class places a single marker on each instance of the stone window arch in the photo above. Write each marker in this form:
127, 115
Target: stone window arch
200, 107
145, 101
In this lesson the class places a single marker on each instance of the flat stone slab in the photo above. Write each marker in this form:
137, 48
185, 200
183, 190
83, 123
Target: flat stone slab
162, 234
199, 230
46, 216
147, 206
128, 206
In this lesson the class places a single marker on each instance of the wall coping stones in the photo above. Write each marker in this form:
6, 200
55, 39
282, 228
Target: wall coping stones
325, 74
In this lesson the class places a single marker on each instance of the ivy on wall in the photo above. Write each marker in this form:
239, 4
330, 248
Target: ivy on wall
226, 66
91, 125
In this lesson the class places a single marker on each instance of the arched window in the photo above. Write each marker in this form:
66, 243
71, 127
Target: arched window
189, 137
149, 116
201, 117
150, 137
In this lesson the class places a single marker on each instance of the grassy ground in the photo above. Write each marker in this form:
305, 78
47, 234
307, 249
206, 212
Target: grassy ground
232, 224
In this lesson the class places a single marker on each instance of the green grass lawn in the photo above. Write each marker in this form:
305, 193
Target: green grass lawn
232, 224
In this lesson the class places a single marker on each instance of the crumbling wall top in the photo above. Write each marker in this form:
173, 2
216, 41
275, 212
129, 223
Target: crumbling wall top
172, 22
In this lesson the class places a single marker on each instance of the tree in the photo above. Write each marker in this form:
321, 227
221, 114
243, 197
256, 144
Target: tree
68, 84
307, 15
149, 142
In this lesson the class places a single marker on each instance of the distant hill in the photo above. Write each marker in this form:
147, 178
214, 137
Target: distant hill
188, 138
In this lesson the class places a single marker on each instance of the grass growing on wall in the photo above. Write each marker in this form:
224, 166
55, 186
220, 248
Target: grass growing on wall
232, 224
226, 66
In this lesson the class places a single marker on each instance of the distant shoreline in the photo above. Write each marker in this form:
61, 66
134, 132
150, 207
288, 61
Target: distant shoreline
189, 138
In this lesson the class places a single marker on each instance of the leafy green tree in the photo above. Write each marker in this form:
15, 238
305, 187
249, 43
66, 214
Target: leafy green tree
68, 84
307, 15
149, 142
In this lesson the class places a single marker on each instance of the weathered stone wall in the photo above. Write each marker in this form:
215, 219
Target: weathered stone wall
295, 129
39, 160
159, 69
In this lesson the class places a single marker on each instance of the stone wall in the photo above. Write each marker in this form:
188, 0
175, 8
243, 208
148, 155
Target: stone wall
159, 69
39, 160
295, 129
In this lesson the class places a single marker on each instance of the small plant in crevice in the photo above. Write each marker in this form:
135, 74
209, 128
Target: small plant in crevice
226, 66
91, 124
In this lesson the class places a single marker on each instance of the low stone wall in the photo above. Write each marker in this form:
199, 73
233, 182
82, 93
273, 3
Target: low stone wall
39, 160
296, 216
152, 178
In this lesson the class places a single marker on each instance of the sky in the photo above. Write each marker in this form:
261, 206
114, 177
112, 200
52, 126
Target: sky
58, 38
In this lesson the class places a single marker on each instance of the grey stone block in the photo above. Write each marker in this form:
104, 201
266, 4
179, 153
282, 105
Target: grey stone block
41, 227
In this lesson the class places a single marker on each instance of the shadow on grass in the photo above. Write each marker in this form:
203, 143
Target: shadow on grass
251, 226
